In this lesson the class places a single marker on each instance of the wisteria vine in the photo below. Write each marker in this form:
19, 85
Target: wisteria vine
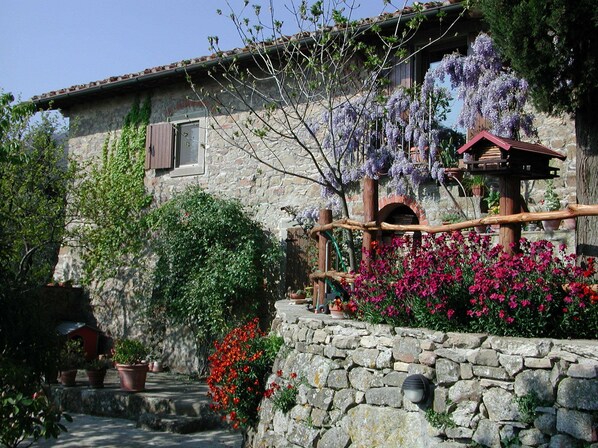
400, 137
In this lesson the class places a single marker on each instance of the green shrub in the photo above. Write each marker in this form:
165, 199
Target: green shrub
129, 351
71, 356
216, 265
34, 181
25, 411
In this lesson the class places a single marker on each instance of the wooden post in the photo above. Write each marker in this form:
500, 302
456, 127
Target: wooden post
370, 213
324, 254
510, 192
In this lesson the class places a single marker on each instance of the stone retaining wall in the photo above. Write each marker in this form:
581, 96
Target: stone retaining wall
352, 375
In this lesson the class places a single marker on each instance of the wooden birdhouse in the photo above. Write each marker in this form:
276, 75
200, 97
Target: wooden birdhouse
88, 335
510, 161
499, 156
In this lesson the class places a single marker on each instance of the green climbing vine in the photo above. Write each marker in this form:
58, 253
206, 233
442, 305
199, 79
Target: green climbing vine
112, 201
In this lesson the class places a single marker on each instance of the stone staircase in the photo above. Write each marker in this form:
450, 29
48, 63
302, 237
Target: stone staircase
170, 402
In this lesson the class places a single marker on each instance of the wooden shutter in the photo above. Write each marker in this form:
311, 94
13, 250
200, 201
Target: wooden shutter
159, 144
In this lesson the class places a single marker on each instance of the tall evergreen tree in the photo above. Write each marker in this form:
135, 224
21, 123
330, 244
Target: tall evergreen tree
554, 45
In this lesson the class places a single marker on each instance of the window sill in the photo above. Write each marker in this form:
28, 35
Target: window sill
190, 170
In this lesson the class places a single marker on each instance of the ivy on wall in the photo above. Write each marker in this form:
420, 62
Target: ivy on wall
112, 201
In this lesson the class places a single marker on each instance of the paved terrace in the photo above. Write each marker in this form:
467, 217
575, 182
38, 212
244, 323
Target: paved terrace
173, 411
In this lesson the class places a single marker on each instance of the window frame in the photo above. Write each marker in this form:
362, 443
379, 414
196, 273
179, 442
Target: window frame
161, 144
199, 167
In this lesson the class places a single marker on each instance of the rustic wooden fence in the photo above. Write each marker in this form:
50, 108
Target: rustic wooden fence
323, 272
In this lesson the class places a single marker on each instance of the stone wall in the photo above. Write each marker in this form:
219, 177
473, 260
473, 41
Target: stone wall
230, 173
353, 373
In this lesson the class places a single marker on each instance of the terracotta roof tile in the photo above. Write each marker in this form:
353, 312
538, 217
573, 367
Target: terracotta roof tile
48, 96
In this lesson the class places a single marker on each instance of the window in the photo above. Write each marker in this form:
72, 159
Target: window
430, 58
178, 145
188, 144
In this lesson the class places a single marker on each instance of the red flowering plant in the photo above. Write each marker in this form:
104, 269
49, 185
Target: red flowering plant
373, 287
283, 392
460, 282
422, 282
238, 370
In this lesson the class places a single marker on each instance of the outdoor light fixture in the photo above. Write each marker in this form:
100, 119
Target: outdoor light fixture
416, 388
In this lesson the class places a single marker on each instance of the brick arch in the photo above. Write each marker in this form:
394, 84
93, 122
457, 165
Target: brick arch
388, 204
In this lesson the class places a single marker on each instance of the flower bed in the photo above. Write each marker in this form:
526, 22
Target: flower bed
461, 282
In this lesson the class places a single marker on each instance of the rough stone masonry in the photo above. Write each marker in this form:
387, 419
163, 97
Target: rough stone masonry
352, 375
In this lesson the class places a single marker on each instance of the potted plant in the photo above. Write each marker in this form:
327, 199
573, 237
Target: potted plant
551, 203
450, 141
477, 185
96, 371
451, 217
155, 363
493, 201
336, 308
130, 358
298, 296
70, 359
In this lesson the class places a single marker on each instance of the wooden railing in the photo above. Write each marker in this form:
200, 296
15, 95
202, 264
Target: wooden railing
572, 211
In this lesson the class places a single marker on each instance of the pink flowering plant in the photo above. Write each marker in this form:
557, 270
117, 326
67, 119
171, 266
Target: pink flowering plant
461, 282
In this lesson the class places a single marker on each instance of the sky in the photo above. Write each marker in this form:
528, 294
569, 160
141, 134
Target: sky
47, 45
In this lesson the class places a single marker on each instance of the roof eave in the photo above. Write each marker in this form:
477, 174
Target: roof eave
67, 99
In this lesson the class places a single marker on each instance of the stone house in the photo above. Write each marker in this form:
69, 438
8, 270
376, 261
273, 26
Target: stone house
175, 159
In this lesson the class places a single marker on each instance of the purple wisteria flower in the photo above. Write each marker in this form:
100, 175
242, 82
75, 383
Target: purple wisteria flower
366, 137
488, 90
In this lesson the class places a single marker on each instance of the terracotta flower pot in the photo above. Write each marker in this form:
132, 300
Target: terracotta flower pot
481, 228
68, 377
569, 223
297, 297
96, 378
132, 377
156, 367
454, 173
415, 155
551, 225
337, 313
478, 190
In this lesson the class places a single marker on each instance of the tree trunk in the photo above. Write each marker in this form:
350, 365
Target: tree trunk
586, 131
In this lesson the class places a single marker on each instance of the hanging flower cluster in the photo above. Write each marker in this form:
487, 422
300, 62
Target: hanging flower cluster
488, 89
449, 282
370, 136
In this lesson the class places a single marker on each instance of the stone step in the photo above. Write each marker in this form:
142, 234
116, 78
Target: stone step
170, 402
179, 424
